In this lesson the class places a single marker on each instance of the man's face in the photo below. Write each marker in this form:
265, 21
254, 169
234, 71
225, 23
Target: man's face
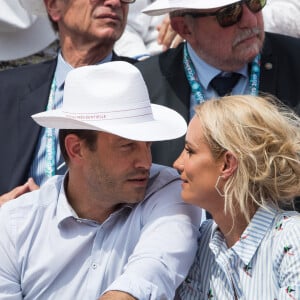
227, 48
91, 20
118, 170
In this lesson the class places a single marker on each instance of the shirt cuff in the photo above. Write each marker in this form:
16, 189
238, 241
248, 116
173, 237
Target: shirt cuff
137, 287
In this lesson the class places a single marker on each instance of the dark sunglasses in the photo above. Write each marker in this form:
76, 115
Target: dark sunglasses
230, 14
127, 1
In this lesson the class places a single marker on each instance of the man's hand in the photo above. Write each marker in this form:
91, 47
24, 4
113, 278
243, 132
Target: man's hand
29, 186
167, 36
116, 295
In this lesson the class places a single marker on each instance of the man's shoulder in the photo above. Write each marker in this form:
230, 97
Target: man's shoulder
161, 177
29, 75
16, 81
281, 38
130, 60
30, 68
165, 61
163, 174
281, 44
33, 204
163, 195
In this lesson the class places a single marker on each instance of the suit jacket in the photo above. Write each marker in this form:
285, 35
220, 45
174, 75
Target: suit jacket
167, 84
24, 91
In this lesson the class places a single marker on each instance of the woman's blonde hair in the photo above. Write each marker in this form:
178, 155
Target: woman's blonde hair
264, 136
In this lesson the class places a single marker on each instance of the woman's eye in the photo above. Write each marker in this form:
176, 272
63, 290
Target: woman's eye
188, 150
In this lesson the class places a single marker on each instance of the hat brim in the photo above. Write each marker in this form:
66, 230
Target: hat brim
167, 124
166, 6
36, 7
22, 43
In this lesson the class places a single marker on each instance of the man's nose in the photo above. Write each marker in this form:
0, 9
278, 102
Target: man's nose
249, 18
144, 159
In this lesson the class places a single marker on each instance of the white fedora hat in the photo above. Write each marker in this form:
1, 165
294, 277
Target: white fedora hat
160, 7
113, 97
36, 7
22, 34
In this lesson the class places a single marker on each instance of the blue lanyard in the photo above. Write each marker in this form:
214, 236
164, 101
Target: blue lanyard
195, 85
255, 75
50, 137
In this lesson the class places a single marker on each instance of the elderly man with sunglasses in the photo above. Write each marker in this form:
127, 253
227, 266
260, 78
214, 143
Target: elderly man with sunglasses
221, 37
87, 32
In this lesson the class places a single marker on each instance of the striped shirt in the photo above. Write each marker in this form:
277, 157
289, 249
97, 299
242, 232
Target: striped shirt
263, 264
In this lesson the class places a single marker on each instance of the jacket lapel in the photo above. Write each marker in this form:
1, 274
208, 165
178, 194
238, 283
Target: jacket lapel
268, 70
171, 65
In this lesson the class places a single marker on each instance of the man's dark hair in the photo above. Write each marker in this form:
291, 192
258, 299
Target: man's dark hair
89, 136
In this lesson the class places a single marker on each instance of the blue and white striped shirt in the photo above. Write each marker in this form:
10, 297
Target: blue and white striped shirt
263, 264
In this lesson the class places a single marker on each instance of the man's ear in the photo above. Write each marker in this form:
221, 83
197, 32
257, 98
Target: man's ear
180, 25
230, 164
73, 145
53, 9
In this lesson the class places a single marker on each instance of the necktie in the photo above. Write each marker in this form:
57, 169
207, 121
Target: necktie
223, 85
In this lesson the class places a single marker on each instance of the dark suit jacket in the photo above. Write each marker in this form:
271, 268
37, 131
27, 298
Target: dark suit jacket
24, 91
167, 84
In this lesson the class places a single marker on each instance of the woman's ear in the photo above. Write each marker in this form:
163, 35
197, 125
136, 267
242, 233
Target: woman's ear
230, 164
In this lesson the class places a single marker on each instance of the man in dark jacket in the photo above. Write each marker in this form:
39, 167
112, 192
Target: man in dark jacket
87, 32
221, 37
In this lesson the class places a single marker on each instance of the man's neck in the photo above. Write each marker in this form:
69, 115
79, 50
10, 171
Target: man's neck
78, 56
85, 204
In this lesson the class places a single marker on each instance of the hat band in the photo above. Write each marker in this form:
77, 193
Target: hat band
110, 115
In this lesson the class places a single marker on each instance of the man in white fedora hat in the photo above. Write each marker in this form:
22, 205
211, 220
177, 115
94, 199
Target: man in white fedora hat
24, 37
87, 32
222, 37
113, 226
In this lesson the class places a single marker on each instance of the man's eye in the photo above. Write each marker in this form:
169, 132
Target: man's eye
127, 145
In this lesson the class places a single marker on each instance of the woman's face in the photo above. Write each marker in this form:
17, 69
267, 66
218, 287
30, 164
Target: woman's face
199, 169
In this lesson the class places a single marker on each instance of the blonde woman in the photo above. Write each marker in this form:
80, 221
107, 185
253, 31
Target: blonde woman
242, 164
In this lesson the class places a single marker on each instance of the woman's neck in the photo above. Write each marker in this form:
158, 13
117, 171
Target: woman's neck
231, 227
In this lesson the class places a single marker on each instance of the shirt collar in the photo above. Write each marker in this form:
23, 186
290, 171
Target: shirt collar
206, 72
157, 180
255, 232
64, 209
251, 238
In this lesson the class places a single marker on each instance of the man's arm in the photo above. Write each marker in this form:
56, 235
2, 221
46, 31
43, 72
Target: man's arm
116, 295
167, 37
10, 287
165, 249
29, 186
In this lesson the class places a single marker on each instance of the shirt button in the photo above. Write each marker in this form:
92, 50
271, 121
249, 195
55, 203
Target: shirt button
94, 266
